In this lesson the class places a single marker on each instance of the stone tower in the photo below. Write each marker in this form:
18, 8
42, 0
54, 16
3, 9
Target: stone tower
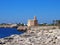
35, 21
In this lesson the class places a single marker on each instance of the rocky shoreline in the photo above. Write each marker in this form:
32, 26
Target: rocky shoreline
34, 37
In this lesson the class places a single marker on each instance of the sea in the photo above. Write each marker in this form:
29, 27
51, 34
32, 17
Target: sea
5, 32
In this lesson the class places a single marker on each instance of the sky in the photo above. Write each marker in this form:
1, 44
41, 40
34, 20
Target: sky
20, 11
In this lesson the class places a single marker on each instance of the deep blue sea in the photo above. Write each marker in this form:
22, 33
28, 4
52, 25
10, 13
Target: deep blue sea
5, 32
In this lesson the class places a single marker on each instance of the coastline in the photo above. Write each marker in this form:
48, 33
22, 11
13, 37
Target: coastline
34, 37
6, 32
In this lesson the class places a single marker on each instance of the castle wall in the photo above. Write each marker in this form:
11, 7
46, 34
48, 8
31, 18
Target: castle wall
33, 22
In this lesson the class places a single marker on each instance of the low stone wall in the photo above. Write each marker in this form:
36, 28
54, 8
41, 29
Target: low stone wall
37, 27
44, 27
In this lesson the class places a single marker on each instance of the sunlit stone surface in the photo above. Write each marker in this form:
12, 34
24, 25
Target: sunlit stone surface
34, 37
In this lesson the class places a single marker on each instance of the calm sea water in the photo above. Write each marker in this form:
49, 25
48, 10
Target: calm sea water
5, 32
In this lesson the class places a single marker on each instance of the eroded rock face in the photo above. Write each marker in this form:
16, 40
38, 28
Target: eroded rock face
34, 37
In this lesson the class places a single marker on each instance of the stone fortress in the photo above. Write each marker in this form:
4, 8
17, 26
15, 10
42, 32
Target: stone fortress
33, 22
